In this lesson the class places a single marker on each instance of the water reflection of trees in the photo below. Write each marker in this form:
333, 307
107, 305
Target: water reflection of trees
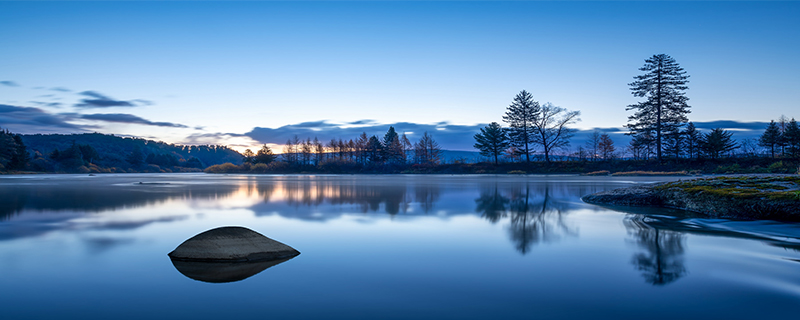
99, 197
392, 198
661, 258
536, 212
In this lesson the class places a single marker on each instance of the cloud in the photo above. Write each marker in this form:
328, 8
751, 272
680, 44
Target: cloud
61, 89
9, 83
47, 104
128, 118
34, 120
102, 101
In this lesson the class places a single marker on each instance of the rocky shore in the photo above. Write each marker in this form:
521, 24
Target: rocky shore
773, 197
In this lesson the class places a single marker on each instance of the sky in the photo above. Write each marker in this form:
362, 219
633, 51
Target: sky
247, 73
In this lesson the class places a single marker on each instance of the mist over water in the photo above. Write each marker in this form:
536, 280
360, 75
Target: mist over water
383, 246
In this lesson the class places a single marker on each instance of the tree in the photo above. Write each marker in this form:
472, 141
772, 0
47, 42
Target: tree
247, 156
520, 117
792, 138
135, 158
593, 143
264, 155
427, 150
374, 150
673, 144
665, 108
492, 141
550, 128
717, 142
771, 137
692, 139
393, 147
407, 146
606, 147
319, 151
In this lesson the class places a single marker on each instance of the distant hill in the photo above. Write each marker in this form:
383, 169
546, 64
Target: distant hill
116, 151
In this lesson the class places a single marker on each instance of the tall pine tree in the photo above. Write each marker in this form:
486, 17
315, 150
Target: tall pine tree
520, 117
664, 109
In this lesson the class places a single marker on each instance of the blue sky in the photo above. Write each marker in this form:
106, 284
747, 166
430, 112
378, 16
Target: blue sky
240, 73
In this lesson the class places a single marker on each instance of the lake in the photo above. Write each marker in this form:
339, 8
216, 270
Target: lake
384, 247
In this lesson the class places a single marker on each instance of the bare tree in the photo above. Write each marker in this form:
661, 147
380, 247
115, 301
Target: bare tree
593, 143
550, 128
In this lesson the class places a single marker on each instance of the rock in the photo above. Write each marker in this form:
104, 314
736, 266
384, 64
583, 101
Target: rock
643, 195
221, 272
231, 244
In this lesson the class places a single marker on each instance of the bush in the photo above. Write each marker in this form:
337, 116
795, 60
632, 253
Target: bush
222, 168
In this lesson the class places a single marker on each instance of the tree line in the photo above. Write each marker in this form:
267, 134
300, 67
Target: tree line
392, 149
101, 153
659, 127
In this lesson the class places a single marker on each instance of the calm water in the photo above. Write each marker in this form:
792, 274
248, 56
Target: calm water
390, 247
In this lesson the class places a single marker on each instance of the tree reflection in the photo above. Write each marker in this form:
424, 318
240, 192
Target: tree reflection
661, 261
535, 214
491, 204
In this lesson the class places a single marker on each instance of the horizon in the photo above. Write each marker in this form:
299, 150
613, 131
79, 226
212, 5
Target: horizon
226, 73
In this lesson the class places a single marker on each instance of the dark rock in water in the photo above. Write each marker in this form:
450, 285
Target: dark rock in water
220, 272
231, 244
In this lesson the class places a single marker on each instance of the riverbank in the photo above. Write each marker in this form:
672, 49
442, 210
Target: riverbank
773, 197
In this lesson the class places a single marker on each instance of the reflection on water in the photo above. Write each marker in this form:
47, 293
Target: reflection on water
421, 247
221, 272
661, 257
536, 214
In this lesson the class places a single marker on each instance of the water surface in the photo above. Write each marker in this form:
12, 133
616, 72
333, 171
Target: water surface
388, 246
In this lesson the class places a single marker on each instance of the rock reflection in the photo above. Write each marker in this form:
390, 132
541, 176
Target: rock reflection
221, 272
661, 261
535, 213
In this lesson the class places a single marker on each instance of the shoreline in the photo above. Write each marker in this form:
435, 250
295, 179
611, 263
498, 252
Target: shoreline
746, 196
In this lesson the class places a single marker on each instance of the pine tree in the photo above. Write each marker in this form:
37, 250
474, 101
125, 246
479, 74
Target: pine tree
665, 108
264, 155
393, 148
717, 142
492, 141
771, 137
520, 117
692, 138
792, 138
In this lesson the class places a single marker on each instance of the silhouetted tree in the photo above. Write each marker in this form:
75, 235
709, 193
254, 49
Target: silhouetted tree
247, 156
492, 141
717, 142
550, 128
606, 147
665, 107
264, 155
520, 116
13, 152
427, 150
674, 143
319, 151
792, 138
374, 150
393, 147
771, 137
692, 139
593, 144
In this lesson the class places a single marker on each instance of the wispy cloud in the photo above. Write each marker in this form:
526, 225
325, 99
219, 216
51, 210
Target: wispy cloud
61, 89
98, 100
34, 120
9, 83
128, 118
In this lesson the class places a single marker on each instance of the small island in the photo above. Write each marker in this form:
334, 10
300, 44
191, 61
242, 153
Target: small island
752, 197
